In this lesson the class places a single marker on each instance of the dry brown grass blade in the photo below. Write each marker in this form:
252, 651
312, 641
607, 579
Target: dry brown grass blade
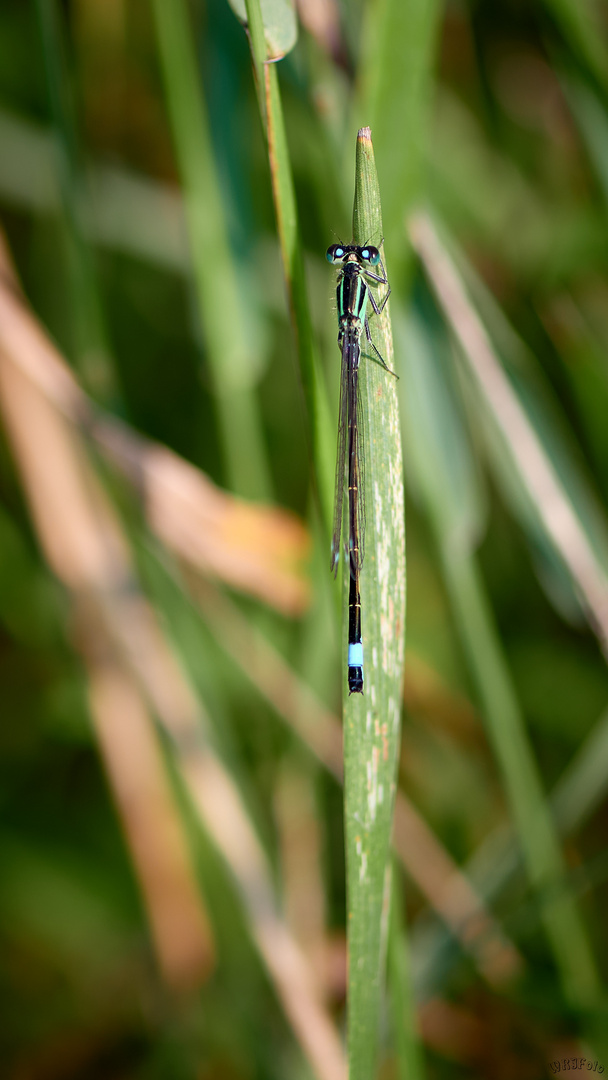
122, 639
131, 624
260, 550
138, 779
87, 556
452, 896
219, 805
531, 460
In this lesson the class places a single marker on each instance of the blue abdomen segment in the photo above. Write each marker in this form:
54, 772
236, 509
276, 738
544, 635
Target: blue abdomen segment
355, 654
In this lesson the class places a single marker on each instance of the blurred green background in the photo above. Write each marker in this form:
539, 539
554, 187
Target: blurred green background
502, 139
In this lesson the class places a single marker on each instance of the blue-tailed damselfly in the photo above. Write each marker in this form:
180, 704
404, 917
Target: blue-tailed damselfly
353, 293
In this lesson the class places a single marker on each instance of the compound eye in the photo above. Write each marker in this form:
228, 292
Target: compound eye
334, 253
372, 255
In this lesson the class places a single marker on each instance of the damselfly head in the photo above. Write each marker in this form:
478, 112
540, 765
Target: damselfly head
353, 253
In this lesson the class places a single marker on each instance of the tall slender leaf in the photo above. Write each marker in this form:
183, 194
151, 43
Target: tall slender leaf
425, 402
91, 347
372, 720
215, 274
398, 52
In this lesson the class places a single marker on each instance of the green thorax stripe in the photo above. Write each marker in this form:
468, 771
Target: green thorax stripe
352, 294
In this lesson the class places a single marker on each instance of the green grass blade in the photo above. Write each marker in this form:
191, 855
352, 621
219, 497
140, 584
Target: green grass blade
504, 721
589, 112
91, 348
492, 867
259, 52
215, 274
543, 411
506, 728
583, 785
320, 427
407, 1044
574, 798
537, 471
272, 25
581, 25
372, 720
398, 50
273, 30
317, 406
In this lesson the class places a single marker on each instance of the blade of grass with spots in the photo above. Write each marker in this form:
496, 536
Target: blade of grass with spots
372, 719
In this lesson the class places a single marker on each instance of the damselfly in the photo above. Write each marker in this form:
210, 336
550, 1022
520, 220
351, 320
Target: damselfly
353, 293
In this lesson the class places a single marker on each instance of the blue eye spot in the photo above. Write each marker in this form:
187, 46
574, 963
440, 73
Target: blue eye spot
337, 252
365, 253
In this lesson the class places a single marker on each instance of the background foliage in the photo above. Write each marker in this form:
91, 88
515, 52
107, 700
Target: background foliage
490, 121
